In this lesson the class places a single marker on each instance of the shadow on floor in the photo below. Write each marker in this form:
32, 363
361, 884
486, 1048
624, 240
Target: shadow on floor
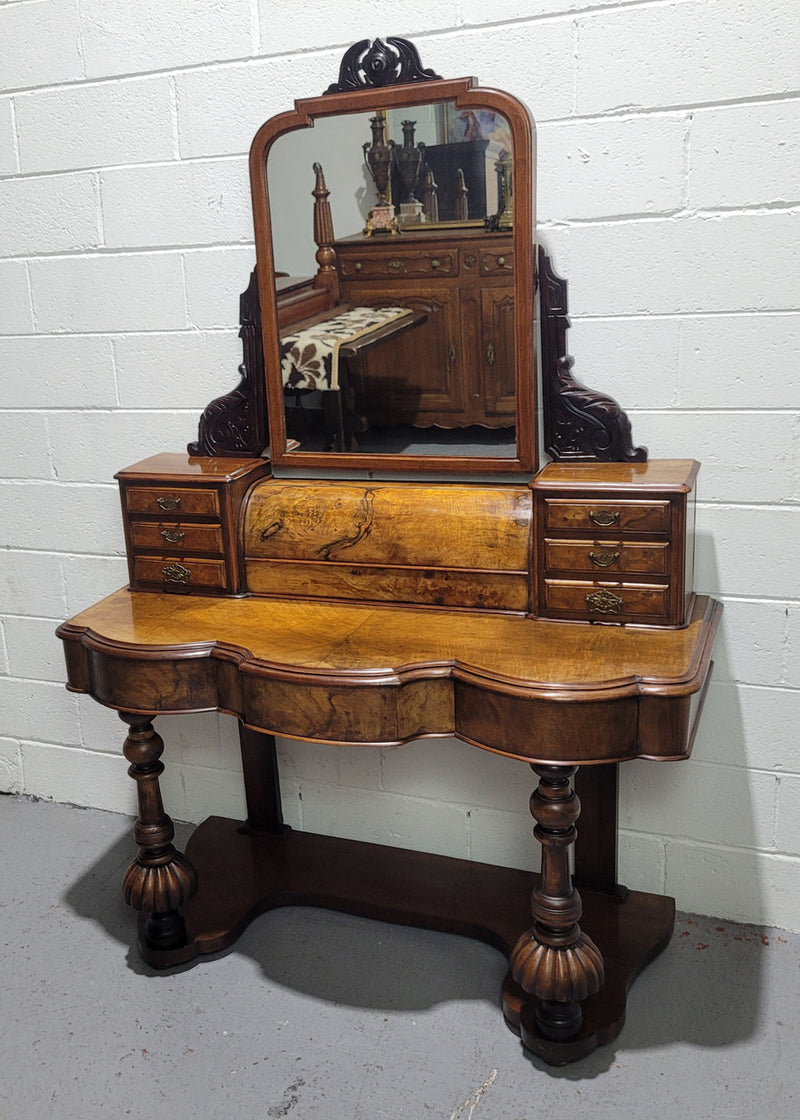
704, 990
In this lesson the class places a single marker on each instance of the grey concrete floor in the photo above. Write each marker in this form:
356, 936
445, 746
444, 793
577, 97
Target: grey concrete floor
321, 1016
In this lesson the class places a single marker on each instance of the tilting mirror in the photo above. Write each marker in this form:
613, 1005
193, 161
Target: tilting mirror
395, 256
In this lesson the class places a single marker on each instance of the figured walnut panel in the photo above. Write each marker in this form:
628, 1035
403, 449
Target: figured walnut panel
529, 689
439, 587
446, 526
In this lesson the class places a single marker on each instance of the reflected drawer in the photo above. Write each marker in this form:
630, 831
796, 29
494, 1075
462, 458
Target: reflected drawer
497, 263
173, 499
643, 517
174, 574
165, 534
607, 556
614, 602
392, 262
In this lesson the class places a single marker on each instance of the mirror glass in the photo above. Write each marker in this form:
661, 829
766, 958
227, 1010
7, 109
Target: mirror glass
421, 201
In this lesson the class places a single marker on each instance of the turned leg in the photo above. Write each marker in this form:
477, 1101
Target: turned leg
160, 879
554, 960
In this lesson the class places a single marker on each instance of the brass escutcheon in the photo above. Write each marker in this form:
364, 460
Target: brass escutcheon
173, 536
490, 354
604, 602
176, 573
604, 559
603, 516
169, 502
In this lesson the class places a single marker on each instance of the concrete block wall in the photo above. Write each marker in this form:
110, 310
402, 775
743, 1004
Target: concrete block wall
669, 195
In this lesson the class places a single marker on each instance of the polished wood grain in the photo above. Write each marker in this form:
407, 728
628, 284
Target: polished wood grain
530, 689
441, 526
181, 518
615, 541
445, 545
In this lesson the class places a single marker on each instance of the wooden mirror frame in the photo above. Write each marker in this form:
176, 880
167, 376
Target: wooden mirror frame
466, 94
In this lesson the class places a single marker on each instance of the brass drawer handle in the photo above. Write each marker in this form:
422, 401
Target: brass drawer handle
604, 602
604, 559
603, 516
501, 261
394, 264
176, 573
436, 263
173, 536
358, 266
169, 503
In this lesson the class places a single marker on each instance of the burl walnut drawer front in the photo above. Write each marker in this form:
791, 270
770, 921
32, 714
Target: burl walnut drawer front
174, 573
176, 534
625, 516
393, 262
619, 601
595, 557
174, 499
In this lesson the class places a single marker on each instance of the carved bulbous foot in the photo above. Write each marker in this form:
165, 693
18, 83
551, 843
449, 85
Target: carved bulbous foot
160, 879
555, 960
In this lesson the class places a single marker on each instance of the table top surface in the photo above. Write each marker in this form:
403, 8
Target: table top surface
350, 641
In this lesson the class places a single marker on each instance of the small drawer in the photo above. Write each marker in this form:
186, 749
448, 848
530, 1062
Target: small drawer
605, 513
176, 534
393, 262
606, 602
631, 557
173, 574
497, 263
174, 499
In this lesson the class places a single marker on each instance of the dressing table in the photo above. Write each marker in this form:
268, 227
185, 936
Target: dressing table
401, 566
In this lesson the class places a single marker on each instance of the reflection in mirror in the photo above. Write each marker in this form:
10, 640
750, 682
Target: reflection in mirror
417, 207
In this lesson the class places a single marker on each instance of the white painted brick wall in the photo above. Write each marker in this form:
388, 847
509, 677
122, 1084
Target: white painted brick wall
669, 195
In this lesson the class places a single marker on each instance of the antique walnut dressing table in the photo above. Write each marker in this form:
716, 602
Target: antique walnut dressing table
338, 590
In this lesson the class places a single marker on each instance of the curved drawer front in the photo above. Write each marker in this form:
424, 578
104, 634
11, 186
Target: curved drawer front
449, 544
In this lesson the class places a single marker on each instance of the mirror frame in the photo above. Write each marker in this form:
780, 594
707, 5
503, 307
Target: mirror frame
466, 93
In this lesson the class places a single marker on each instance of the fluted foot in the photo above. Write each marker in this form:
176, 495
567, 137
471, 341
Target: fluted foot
560, 973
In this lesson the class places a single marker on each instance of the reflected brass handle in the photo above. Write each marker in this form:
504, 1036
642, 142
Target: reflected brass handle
176, 573
490, 354
604, 559
168, 503
604, 602
603, 516
172, 536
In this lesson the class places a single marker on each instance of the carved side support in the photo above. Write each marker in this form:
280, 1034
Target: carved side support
161, 879
554, 960
579, 423
236, 424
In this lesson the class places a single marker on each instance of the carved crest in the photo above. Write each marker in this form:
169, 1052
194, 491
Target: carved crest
368, 65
